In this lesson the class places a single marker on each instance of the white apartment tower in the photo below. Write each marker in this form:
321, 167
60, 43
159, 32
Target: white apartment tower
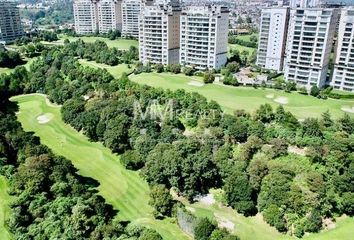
109, 15
85, 16
204, 36
159, 33
10, 22
272, 38
343, 75
309, 45
131, 10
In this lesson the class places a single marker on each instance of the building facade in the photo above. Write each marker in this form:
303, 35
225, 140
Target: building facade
85, 16
159, 34
10, 22
309, 45
343, 75
204, 37
109, 15
131, 10
272, 38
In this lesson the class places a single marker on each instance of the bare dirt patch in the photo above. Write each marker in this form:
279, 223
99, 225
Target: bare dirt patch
224, 223
45, 118
196, 83
348, 109
206, 199
281, 100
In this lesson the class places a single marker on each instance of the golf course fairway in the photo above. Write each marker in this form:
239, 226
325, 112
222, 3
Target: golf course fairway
124, 189
4, 209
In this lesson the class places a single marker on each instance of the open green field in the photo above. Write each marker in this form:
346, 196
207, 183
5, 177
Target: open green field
124, 189
4, 209
248, 98
114, 70
121, 43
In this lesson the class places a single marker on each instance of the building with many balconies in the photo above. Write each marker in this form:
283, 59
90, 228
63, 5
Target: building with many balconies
272, 38
109, 15
159, 33
85, 16
343, 75
309, 44
10, 22
204, 36
131, 10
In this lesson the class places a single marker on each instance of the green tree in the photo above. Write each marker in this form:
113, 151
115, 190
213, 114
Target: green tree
161, 200
209, 77
203, 229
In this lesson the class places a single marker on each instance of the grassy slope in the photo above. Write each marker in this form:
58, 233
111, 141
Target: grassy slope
118, 43
115, 70
231, 98
124, 189
4, 209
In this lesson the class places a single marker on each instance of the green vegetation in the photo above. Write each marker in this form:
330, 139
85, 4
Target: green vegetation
121, 44
4, 209
116, 71
248, 98
295, 174
124, 189
248, 37
233, 47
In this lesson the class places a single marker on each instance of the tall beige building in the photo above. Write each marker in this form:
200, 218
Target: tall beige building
159, 33
109, 15
343, 75
85, 16
204, 36
10, 22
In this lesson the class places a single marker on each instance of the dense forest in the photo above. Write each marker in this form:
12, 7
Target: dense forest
247, 155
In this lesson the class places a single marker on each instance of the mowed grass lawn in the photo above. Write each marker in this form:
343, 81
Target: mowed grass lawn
114, 70
248, 98
124, 189
240, 48
121, 43
4, 209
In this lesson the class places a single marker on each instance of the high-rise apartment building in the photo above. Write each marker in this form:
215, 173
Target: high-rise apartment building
343, 75
309, 45
131, 10
109, 15
85, 16
159, 33
10, 22
204, 36
272, 38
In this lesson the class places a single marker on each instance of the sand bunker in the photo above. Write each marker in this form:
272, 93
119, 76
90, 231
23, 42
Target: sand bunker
281, 100
270, 96
207, 199
348, 109
225, 223
45, 118
196, 84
